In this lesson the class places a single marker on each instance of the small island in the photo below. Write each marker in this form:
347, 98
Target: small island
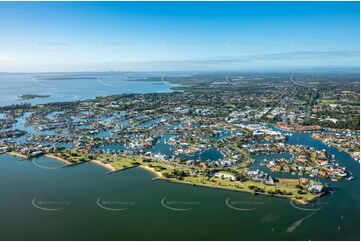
32, 96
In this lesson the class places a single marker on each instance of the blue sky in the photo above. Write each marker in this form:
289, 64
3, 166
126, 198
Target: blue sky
177, 36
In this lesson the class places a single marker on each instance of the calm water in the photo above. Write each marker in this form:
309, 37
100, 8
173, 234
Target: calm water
41, 201
76, 190
71, 87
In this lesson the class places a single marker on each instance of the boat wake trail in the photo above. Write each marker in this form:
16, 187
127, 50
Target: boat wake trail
295, 225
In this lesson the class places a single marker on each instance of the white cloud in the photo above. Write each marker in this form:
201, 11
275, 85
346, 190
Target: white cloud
7, 57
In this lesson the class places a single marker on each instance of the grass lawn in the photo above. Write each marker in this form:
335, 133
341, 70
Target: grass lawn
73, 157
288, 189
120, 162
285, 187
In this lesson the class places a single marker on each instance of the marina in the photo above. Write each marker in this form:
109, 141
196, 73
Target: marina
161, 137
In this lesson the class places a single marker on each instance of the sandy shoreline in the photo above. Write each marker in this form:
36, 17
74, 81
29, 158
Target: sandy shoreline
17, 154
157, 173
106, 166
152, 170
58, 158
99, 163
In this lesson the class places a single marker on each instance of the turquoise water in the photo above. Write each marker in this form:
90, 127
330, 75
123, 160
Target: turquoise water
86, 85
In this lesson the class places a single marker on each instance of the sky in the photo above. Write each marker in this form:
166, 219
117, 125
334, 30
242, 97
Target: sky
178, 36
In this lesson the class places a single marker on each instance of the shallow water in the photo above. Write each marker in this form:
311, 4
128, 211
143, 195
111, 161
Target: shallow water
66, 89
